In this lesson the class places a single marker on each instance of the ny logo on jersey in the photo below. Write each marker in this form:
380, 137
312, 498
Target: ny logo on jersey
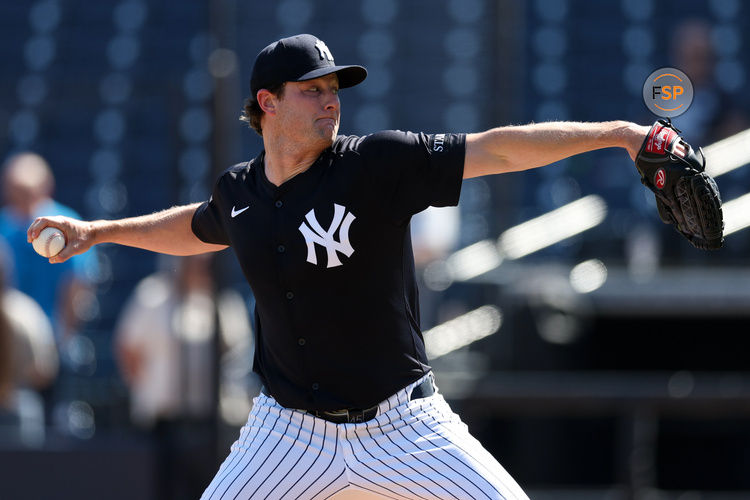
325, 53
314, 233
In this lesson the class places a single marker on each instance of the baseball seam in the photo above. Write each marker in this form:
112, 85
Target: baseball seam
48, 244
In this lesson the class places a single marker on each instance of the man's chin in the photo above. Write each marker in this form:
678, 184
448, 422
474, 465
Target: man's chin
329, 133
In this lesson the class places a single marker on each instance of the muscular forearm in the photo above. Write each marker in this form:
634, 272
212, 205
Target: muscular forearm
514, 148
168, 231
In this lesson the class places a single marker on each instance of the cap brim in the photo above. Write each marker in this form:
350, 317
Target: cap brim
349, 76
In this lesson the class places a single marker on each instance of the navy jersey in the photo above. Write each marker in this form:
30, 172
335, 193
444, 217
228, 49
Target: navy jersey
328, 257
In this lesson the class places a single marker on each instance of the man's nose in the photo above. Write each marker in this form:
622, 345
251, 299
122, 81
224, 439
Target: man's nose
332, 100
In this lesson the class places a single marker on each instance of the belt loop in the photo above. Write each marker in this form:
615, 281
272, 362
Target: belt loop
424, 389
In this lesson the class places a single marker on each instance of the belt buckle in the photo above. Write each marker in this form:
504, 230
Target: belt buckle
355, 417
349, 416
336, 415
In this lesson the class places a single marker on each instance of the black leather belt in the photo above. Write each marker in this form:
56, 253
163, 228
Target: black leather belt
347, 416
353, 415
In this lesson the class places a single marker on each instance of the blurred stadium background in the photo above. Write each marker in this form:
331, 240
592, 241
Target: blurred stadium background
612, 364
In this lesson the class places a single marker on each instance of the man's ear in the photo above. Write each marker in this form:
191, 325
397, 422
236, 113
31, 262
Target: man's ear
267, 101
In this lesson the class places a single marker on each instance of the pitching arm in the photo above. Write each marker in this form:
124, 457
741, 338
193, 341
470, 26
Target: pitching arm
166, 232
522, 147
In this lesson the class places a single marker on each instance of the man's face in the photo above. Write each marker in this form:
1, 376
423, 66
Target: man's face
309, 111
26, 184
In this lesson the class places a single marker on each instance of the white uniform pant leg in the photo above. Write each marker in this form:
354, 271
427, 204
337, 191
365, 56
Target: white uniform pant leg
422, 450
412, 450
281, 453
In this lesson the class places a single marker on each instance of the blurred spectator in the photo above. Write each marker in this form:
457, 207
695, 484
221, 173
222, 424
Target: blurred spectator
714, 114
434, 234
62, 290
28, 362
164, 340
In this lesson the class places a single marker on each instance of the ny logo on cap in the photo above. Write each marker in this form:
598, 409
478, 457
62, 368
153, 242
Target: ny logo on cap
325, 53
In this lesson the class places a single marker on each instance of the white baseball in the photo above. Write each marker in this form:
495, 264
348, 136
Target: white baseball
50, 242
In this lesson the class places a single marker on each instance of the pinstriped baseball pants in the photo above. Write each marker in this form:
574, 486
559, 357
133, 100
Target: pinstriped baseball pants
415, 449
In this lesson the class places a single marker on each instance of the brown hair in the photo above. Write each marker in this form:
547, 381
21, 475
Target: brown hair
252, 112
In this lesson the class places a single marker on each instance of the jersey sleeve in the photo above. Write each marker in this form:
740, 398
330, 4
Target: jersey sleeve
414, 171
207, 223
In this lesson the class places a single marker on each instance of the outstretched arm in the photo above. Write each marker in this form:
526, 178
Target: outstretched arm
167, 232
522, 147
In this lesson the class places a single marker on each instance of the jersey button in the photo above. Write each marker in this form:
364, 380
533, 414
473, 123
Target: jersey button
281, 248
301, 341
290, 295
279, 203
315, 386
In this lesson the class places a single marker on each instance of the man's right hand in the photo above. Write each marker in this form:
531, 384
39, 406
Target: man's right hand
79, 235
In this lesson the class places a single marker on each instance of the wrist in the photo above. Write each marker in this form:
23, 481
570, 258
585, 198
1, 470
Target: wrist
97, 231
631, 137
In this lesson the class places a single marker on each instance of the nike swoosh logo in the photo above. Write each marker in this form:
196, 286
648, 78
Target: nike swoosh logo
235, 213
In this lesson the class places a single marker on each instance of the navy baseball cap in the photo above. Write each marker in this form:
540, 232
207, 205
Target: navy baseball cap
296, 59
